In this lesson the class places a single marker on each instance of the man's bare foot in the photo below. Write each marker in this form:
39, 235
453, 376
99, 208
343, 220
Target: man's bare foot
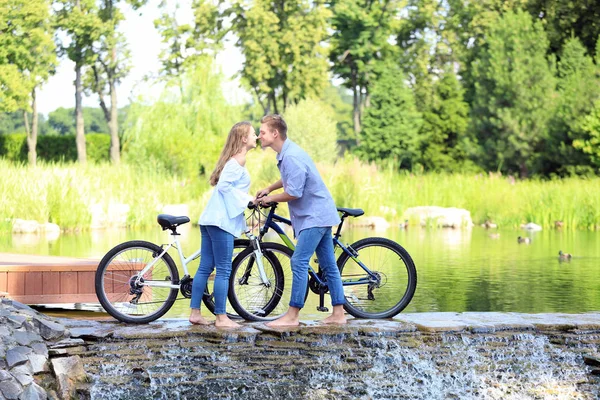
335, 319
224, 322
197, 319
286, 320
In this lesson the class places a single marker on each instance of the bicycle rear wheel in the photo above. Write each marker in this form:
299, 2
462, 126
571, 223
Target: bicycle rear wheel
396, 280
208, 298
127, 301
250, 297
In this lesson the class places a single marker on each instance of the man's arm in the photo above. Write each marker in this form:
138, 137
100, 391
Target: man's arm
278, 198
269, 189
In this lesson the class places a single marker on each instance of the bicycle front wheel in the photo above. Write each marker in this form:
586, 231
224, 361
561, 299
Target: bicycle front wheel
392, 287
251, 297
132, 302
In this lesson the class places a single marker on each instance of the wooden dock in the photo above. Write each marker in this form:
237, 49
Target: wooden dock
32, 279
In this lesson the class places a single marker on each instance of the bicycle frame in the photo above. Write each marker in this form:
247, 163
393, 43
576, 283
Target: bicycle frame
184, 262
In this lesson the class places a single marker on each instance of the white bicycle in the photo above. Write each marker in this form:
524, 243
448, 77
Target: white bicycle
138, 281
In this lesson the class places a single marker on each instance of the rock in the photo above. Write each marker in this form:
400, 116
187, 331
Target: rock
38, 363
69, 371
17, 356
4, 375
531, 227
40, 348
67, 343
591, 360
48, 329
24, 379
50, 227
16, 321
11, 389
33, 392
439, 216
26, 338
25, 226
114, 216
376, 223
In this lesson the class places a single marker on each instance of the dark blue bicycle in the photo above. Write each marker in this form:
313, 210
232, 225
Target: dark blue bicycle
378, 275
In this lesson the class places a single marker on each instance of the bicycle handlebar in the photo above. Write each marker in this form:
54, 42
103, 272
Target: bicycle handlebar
252, 206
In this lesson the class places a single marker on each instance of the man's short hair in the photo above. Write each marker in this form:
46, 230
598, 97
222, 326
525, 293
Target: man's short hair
275, 121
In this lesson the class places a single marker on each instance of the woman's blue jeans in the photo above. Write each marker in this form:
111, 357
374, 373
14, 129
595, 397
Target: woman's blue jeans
216, 251
309, 241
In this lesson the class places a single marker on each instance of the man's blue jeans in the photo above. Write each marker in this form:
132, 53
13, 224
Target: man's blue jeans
216, 251
309, 241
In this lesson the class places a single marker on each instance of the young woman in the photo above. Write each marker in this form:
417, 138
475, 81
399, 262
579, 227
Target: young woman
222, 221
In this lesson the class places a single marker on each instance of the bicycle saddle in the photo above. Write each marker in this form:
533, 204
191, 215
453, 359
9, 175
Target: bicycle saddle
170, 221
353, 212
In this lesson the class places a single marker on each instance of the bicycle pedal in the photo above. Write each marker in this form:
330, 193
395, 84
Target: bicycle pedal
323, 309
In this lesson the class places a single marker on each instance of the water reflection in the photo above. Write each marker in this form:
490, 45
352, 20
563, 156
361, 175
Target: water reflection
458, 270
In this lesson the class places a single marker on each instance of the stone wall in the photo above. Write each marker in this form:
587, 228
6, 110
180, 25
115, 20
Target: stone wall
31, 366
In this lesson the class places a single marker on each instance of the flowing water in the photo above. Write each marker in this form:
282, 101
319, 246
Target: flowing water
376, 364
458, 270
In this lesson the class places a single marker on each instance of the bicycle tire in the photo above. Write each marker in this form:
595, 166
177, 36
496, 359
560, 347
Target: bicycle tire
113, 282
396, 292
250, 298
208, 297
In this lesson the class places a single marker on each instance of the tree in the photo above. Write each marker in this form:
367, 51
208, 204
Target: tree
448, 146
111, 64
513, 94
27, 54
391, 123
591, 143
79, 20
282, 43
562, 19
578, 89
362, 30
186, 42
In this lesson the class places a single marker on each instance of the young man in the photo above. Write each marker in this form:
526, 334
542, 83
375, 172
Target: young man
313, 214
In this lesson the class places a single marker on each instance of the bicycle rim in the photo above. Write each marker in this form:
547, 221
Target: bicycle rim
120, 267
397, 273
250, 297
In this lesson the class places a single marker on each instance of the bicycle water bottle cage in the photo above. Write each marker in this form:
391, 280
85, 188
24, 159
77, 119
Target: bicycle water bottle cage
171, 222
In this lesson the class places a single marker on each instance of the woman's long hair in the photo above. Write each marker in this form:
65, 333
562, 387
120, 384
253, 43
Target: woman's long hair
233, 145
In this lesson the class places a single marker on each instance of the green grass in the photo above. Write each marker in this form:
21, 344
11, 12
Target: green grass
65, 193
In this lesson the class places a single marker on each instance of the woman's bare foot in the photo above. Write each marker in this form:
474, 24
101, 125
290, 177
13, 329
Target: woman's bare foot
197, 319
223, 321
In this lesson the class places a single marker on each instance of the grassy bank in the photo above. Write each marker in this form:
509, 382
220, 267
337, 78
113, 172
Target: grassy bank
65, 193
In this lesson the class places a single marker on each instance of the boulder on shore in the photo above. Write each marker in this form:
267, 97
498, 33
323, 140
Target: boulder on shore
442, 217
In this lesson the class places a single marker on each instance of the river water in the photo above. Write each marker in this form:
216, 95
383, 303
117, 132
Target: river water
458, 270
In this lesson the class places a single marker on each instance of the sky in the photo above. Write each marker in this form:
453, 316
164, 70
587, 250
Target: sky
144, 44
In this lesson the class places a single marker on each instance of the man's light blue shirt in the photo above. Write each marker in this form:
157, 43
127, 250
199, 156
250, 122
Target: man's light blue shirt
314, 206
